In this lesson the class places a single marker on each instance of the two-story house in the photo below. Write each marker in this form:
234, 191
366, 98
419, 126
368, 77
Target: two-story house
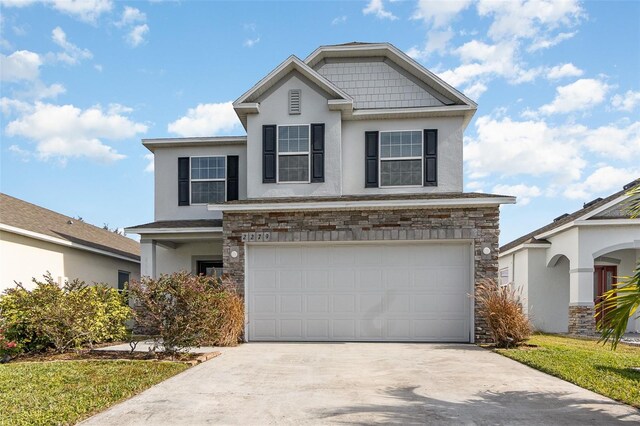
340, 215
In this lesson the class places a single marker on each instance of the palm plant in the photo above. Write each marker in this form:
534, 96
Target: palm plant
620, 303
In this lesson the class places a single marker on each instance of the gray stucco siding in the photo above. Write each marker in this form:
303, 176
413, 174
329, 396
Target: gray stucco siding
166, 180
274, 110
450, 131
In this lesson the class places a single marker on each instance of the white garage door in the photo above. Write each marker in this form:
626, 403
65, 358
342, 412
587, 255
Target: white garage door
358, 292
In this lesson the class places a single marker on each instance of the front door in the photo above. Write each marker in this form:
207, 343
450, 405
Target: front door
604, 280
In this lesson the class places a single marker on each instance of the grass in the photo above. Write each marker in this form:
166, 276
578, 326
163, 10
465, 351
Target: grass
65, 392
585, 363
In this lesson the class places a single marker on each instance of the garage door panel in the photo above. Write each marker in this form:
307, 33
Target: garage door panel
318, 329
343, 328
318, 304
344, 304
264, 304
305, 293
291, 328
371, 303
370, 279
343, 279
291, 304
317, 280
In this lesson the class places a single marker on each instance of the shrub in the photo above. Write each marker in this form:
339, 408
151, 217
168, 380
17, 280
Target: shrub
65, 317
8, 348
185, 310
501, 307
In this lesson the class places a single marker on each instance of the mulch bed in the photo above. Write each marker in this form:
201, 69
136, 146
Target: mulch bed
188, 358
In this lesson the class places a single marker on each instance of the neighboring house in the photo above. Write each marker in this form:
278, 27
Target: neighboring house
34, 240
564, 267
340, 215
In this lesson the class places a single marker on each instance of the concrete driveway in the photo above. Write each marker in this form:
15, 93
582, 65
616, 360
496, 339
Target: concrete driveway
364, 383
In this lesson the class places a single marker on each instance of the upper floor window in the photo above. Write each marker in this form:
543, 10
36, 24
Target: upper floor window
401, 158
293, 153
208, 180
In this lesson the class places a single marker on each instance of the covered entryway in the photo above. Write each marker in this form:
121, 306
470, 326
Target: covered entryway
383, 291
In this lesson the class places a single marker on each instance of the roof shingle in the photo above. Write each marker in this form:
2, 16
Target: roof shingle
30, 217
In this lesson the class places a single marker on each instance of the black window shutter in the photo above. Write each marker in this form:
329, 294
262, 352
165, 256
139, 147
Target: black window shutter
232, 177
317, 152
431, 157
183, 181
269, 153
371, 159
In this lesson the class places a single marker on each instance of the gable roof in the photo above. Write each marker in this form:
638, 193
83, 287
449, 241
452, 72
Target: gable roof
565, 219
398, 57
246, 103
16, 213
451, 101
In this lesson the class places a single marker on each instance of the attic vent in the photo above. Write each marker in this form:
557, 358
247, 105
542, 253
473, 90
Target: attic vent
562, 216
294, 101
631, 184
590, 203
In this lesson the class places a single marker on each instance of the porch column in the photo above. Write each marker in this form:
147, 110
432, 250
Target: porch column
581, 311
148, 258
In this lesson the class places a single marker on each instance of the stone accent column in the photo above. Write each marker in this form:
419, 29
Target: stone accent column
581, 311
581, 320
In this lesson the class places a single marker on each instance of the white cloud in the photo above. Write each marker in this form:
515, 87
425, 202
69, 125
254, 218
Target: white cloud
135, 37
339, 20
150, 163
39, 91
580, 95
436, 41
545, 43
524, 193
9, 106
562, 71
475, 186
206, 120
528, 18
603, 180
609, 141
98, 67
250, 42
627, 101
84, 10
71, 54
65, 131
508, 148
437, 13
23, 154
20, 65
475, 90
130, 16
376, 7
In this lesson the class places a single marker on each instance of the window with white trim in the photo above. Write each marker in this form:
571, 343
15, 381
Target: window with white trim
401, 158
293, 153
208, 179
504, 276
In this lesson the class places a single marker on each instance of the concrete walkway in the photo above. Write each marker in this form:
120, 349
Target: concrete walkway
364, 383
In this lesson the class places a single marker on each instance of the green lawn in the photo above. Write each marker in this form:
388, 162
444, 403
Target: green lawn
586, 363
65, 392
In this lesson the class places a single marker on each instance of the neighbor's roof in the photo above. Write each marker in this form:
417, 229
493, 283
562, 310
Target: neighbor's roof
35, 219
564, 219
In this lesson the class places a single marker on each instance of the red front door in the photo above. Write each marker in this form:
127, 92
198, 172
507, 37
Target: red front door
604, 280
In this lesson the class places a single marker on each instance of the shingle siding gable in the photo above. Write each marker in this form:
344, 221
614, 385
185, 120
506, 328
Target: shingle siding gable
374, 83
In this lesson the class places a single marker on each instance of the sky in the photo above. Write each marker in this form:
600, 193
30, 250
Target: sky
81, 82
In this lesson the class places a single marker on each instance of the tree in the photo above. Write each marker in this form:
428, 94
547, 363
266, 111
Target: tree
620, 303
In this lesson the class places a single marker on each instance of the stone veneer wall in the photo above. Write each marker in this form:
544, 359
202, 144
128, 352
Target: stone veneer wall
582, 320
479, 224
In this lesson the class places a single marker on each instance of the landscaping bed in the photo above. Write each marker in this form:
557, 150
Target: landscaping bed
586, 363
105, 355
65, 392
